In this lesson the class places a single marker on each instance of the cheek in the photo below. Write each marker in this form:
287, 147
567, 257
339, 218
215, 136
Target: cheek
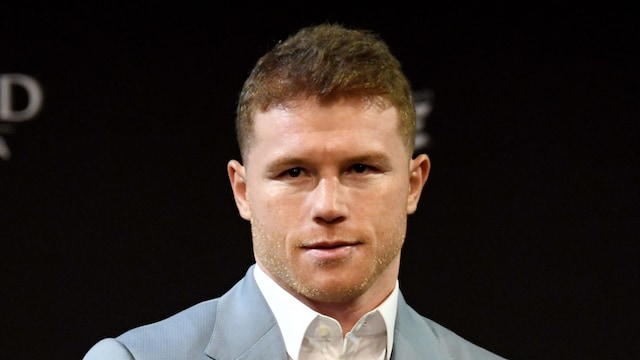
271, 209
385, 201
387, 210
272, 212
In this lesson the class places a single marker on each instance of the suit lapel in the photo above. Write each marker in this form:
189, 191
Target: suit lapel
413, 338
244, 327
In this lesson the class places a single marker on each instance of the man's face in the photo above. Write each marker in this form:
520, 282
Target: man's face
327, 190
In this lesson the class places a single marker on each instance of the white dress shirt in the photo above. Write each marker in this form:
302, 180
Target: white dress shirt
309, 335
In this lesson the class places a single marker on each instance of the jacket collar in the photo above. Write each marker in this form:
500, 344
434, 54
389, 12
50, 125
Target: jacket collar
245, 328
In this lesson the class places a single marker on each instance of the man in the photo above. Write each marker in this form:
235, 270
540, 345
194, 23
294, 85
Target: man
326, 128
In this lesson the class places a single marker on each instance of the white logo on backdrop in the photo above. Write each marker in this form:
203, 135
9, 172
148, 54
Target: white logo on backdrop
10, 112
423, 100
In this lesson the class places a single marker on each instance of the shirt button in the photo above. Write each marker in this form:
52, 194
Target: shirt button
323, 331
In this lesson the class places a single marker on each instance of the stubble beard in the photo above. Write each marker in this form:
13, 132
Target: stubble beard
269, 253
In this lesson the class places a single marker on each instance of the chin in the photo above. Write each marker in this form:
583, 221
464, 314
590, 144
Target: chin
334, 290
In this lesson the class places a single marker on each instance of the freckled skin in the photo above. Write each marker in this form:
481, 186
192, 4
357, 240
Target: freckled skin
327, 190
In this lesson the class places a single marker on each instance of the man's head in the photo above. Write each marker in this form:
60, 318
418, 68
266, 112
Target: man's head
327, 62
326, 126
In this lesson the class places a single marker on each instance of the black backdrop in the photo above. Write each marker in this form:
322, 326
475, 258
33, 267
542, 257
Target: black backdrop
115, 208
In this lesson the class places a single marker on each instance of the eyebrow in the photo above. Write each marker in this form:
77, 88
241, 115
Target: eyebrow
376, 157
285, 162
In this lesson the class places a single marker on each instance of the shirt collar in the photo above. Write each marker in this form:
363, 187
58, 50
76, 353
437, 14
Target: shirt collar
294, 317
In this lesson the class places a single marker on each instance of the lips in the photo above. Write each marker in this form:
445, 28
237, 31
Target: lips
328, 245
330, 250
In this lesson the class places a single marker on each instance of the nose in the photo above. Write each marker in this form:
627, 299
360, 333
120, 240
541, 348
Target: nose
329, 201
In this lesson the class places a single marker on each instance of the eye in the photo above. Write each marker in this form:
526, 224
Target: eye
360, 168
294, 172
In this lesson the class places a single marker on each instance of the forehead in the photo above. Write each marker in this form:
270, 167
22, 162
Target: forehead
308, 116
309, 129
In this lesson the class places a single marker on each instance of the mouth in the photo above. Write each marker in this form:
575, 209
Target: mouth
330, 250
328, 245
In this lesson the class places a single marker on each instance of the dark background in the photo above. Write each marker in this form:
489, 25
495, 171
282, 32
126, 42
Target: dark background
115, 209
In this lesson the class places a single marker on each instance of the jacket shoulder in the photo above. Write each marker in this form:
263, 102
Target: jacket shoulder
183, 335
108, 349
457, 347
417, 336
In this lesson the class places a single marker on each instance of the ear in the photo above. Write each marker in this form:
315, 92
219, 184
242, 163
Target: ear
418, 173
237, 178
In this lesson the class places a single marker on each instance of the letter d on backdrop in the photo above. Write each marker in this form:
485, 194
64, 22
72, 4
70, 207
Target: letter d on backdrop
8, 83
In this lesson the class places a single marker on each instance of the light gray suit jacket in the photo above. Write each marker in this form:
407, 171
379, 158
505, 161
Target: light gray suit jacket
240, 325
